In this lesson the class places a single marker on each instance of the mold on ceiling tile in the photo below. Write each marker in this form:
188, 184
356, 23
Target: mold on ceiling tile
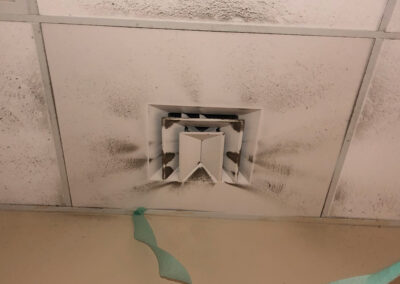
28, 166
329, 13
369, 185
306, 87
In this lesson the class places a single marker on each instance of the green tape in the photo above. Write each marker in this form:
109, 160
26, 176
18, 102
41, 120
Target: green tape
384, 276
169, 267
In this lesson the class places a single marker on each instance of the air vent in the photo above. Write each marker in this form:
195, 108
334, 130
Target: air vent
186, 141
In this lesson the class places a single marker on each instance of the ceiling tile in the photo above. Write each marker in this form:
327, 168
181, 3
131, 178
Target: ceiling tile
28, 166
103, 79
342, 14
394, 24
369, 183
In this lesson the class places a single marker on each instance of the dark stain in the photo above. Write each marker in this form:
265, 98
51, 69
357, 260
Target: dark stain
284, 148
150, 160
340, 194
381, 107
274, 167
233, 156
168, 122
221, 10
134, 163
124, 107
166, 172
251, 159
241, 186
200, 175
116, 164
233, 173
249, 97
8, 116
167, 157
238, 126
151, 186
115, 146
190, 81
275, 188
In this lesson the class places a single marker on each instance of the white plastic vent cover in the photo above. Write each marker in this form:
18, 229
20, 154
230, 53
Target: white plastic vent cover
201, 143
201, 150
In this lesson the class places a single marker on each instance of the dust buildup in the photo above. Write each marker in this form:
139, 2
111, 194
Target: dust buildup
211, 10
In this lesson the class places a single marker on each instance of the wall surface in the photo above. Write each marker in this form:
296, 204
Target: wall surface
77, 78
44, 248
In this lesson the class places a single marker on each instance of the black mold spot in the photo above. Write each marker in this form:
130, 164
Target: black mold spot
285, 148
167, 157
274, 167
251, 159
149, 186
167, 171
238, 125
275, 188
155, 186
124, 107
167, 123
115, 146
340, 194
134, 163
233, 156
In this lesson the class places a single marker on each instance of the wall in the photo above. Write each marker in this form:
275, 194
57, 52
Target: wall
77, 78
67, 248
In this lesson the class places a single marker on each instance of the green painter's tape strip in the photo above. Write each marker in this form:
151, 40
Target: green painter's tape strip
168, 266
384, 276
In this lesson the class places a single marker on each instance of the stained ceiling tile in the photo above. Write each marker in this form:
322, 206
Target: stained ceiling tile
104, 78
343, 14
369, 183
28, 167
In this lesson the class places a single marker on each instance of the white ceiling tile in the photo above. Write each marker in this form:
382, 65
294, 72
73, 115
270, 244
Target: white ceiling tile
28, 166
103, 79
345, 14
369, 183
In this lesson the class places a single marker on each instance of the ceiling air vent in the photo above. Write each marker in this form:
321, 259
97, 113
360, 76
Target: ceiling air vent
189, 141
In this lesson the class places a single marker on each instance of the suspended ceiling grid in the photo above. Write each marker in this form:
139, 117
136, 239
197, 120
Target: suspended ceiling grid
76, 80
